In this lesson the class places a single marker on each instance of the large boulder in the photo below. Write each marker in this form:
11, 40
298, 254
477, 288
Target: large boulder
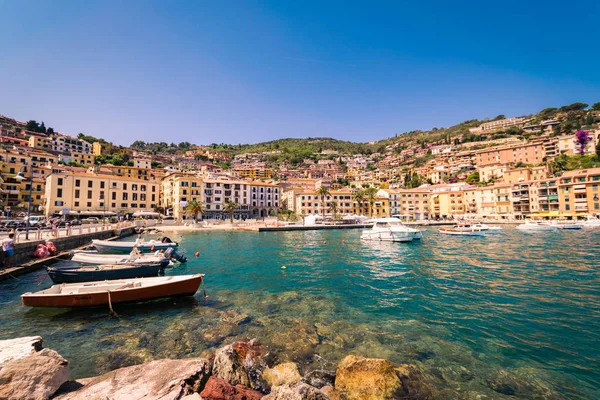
298, 391
160, 379
379, 379
281, 374
228, 366
256, 358
36, 376
13, 349
218, 389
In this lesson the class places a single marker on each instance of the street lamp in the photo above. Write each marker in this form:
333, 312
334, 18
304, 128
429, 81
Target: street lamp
20, 177
101, 199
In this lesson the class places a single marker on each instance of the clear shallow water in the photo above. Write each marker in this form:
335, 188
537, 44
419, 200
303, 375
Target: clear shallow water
515, 309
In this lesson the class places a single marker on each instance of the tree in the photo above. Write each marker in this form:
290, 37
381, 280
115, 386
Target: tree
49, 131
42, 127
32, 125
598, 150
230, 207
473, 178
333, 208
322, 192
582, 138
573, 107
371, 194
195, 207
596, 106
359, 198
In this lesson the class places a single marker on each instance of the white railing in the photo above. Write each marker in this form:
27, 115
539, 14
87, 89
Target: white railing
36, 233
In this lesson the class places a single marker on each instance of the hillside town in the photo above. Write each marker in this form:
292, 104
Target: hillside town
545, 165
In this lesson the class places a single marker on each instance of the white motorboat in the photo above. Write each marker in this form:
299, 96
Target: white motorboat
94, 258
568, 226
109, 246
591, 222
536, 226
463, 229
391, 230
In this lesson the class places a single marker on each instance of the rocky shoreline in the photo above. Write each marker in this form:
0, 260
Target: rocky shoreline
244, 370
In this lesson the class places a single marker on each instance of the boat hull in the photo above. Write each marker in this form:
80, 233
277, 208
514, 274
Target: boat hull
102, 273
461, 233
534, 228
95, 258
187, 287
387, 236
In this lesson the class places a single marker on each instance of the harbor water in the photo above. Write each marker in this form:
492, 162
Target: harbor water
511, 314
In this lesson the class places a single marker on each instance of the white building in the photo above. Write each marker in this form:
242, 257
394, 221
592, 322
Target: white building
68, 144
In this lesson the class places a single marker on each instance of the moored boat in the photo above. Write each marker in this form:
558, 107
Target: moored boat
591, 222
391, 230
92, 257
89, 294
536, 226
462, 230
109, 246
102, 272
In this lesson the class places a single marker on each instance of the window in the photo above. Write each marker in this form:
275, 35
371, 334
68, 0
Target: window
89, 196
76, 204
77, 182
143, 188
59, 181
124, 187
134, 186
101, 184
58, 192
123, 205
90, 184
114, 196
113, 205
77, 193
89, 203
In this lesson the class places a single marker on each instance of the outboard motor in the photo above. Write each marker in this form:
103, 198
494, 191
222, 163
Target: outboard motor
171, 254
166, 240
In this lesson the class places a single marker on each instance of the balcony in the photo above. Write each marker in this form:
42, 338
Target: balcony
581, 207
581, 200
578, 188
553, 197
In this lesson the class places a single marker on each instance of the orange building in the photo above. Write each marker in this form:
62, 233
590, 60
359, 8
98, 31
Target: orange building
530, 153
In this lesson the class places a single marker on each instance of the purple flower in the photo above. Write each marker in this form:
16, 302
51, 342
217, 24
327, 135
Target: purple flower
582, 138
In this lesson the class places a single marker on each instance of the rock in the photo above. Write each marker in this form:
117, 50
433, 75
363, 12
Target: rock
299, 391
13, 349
256, 359
518, 383
234, 317
367, 378
37, 376
228, 366
218, 389
414, 385
281, 374
193, 396
330, 392
319, 378
161, 379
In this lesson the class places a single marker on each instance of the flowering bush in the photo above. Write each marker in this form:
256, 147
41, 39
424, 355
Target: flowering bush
582, 138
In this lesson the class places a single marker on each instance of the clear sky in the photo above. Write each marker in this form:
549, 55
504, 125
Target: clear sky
246, 71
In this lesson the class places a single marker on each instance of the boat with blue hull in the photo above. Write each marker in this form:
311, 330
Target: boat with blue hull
102, 273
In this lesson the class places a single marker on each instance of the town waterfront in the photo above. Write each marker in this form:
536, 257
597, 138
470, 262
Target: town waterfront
513, 311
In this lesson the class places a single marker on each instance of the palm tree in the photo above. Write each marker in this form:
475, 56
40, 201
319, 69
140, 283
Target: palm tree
230, 207
194, 208
359, 197
371, 194
333, 208
322, 192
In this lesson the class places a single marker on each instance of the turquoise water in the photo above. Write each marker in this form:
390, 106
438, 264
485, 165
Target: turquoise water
514, 312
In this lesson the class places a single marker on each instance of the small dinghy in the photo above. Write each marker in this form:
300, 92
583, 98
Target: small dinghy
102, 272
136, 258
89, 294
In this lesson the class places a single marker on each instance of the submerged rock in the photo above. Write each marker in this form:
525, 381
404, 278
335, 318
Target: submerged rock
319, 378
256, 358
36, 376
160, 379
298, 391
218, 389
281, 374
367, 378
228, 366
520, 384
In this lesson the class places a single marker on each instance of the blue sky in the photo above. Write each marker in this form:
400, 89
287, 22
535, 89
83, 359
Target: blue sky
250, 71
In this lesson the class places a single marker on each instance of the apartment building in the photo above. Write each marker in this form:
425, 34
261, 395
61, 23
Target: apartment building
81, 192
526, 174
578, 192
259, 172
528, 153
411, 203
68, 144
520, 199
85, 159
142, 163
97, 148
40, 142
544, 198
307, 202
501, 124
133, 172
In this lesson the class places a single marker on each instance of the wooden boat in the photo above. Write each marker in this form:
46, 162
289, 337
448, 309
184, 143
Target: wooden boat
462, 229
109, 246
102, 272
89, 294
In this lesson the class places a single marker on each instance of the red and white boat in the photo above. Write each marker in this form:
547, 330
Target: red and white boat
90, 294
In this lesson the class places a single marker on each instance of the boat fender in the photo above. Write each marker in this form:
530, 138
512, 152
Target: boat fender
197, 254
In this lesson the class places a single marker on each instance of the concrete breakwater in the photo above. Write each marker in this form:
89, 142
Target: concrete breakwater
244, 369
23, 261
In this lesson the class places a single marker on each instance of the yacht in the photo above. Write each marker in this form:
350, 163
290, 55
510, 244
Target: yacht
391, 230
591, 222
487, 228
535, 226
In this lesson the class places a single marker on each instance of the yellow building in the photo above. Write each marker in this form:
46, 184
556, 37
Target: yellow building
40, 142
85, 159
307, 202
97, 148
379, 209
133, 172
578, 192
81, 193
411, 203
254, 173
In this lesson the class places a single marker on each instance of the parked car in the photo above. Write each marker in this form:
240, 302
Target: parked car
36, 220
90, 220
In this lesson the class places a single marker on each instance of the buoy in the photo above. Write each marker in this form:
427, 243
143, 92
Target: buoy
325, 242
283, 267
152, 248
197, 254
343, 241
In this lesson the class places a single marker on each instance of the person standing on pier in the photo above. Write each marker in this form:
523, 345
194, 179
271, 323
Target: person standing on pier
8, 248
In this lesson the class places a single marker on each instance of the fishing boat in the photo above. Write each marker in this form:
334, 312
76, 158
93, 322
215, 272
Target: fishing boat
102, 272
109, 246
536, 226
391, 230
89, 294
462, 230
